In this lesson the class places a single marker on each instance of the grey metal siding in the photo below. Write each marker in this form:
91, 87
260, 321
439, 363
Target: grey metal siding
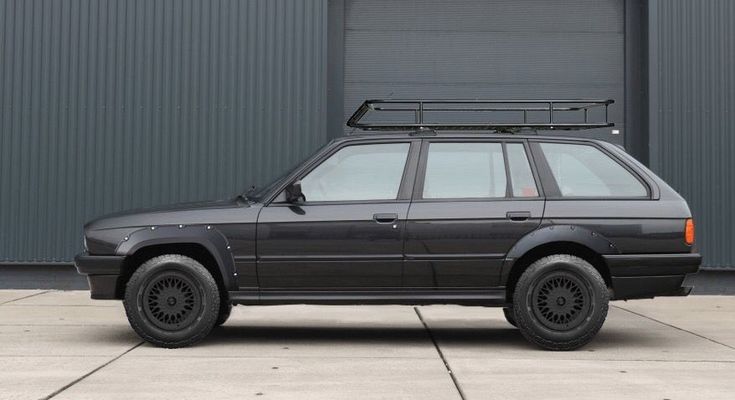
692, 114
486, 49
110, 105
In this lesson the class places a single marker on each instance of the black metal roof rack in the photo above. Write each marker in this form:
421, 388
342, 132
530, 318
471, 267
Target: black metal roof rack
494, 115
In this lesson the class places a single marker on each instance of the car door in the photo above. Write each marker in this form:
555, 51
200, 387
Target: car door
472, 201
348, 231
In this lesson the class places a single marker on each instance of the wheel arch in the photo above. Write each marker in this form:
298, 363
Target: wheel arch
557, 239
202, 243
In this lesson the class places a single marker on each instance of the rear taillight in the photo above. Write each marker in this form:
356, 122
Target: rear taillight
689, 232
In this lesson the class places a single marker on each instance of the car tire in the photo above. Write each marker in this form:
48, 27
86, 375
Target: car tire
560, 302
225, 309
508, 313
172, 301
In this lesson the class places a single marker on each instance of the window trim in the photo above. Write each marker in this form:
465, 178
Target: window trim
506, 165
549, 181
406, 178
418, 191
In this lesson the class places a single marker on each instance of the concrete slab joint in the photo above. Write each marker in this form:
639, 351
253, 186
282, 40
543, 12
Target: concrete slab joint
62, 345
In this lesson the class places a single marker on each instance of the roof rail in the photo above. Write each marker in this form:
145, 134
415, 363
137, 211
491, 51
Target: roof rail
494, 115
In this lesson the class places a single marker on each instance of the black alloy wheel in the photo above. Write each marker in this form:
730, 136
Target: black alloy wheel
172, 301
560, 302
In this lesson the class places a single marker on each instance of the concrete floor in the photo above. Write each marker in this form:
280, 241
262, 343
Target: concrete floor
62, 345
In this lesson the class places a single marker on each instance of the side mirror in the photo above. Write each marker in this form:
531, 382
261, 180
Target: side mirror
293, 193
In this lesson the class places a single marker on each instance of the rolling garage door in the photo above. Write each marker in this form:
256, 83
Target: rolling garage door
485, 49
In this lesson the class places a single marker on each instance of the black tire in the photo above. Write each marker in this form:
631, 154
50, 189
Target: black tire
225, 309
172, 301
560, 302
508, 312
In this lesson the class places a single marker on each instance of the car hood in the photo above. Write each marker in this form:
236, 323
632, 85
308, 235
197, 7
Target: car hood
203, 212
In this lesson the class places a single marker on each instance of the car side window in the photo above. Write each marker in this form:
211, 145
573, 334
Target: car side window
464, 170
358, 172
582, 170
521, 176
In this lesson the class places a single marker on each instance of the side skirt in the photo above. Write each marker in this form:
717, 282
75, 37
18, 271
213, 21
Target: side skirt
478, 297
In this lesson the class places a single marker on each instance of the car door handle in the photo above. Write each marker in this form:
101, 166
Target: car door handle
385, 218
518, 215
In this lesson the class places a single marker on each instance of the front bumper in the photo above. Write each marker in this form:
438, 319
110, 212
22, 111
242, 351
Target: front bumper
102, 274
639, 276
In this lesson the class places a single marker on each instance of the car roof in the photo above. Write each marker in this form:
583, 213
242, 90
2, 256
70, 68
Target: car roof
459, 135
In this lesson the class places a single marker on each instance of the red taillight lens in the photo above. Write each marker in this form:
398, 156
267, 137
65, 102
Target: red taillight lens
689, 232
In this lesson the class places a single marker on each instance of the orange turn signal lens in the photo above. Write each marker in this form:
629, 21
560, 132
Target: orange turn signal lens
689, 232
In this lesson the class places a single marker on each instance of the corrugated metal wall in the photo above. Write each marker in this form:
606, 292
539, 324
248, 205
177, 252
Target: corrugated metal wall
692, 114
487, 49
110, 105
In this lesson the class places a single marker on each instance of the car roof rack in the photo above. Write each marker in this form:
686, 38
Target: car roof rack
492, 115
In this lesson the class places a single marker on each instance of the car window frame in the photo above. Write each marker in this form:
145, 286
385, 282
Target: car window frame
549, 181
404, 192
418, 190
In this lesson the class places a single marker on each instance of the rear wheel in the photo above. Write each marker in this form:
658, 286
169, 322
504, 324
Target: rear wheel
560, 302
508, 312
172, 301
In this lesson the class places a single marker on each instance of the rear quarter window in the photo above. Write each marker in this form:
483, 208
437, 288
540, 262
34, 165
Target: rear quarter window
582, 170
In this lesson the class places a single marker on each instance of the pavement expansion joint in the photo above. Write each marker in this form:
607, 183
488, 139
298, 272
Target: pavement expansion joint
25, 297
675, 327
81, 378
441, 354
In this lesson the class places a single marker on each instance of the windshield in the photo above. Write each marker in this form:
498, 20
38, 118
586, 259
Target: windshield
260, 192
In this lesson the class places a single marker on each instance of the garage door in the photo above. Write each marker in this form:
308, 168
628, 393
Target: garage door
486, 49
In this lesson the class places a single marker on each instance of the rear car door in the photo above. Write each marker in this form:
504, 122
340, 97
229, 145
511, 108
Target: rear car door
348, 232
472, 201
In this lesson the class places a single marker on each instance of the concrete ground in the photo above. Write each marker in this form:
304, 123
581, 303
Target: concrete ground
61, 345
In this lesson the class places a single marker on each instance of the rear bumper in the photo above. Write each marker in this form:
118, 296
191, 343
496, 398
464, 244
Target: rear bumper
102, 274
645, 287
638, 276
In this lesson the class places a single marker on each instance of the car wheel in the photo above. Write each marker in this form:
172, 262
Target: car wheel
560, 302
172, 301
508, 312
225, 309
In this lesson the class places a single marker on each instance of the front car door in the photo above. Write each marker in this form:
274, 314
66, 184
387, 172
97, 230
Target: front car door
348, 231
473, 200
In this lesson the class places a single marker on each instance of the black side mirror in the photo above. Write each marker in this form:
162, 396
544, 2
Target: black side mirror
293, 193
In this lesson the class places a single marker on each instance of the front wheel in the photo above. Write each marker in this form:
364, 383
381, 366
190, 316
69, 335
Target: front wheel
225, 309
560, 302
172, 301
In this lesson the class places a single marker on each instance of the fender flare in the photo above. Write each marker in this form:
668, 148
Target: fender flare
205, 235
552, 234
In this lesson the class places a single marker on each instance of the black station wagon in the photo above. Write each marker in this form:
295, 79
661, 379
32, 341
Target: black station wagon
550, 228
